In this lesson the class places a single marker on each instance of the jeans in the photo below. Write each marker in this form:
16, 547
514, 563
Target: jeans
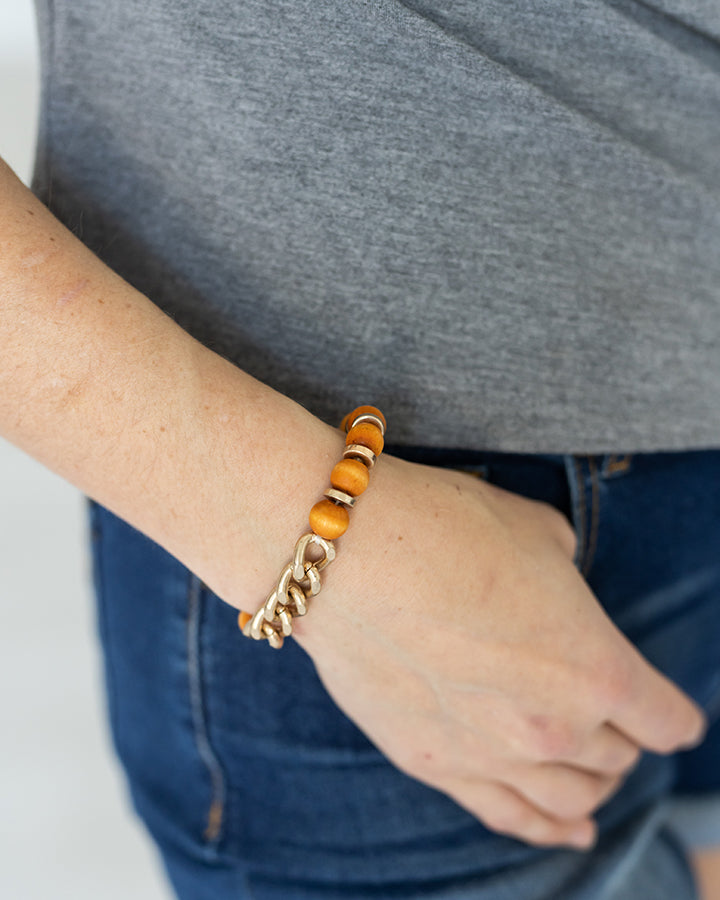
254, 784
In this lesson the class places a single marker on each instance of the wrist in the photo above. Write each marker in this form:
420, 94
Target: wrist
357, 585
299, 580
254, 463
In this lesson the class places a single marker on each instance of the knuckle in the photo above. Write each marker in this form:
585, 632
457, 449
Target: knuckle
612, 682
551, 739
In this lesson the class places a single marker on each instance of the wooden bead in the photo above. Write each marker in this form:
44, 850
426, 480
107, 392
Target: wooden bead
346, 423
368, 436
329, 520
351, 476
243, 619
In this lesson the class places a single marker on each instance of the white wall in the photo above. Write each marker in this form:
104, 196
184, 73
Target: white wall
18, 84
17, 37
66, 830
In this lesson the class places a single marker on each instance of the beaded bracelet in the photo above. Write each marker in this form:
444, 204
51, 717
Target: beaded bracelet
329, 518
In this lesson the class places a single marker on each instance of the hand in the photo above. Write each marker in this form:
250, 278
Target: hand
454, 629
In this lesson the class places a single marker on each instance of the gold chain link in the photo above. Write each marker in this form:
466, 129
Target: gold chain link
298, 582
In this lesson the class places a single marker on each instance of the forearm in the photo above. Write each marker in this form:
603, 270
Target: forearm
106, 390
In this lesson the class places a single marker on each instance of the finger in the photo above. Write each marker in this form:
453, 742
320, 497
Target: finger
597, 746
561, 791
606, 752
503, 810
652, 711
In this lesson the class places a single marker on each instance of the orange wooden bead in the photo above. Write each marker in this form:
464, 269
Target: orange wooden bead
346, 423
368, 436
329, 520
351, 476
243, 619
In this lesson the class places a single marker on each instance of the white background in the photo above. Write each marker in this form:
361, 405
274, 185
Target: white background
66, 827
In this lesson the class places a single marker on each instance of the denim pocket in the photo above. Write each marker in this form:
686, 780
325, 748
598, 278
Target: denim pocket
147, 618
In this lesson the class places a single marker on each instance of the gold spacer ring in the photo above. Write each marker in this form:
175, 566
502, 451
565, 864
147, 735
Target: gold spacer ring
369, 419
364, 454
340, 497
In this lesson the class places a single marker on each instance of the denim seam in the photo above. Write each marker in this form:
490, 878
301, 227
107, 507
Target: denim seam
577, 496
97, 545
594, 517
653, 821
216, 810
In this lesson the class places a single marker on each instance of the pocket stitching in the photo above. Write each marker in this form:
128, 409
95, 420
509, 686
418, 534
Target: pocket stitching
216, 812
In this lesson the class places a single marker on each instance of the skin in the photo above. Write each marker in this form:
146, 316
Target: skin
452, 628
706, 864
463, 677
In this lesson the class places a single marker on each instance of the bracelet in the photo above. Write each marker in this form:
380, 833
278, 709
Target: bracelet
299, 581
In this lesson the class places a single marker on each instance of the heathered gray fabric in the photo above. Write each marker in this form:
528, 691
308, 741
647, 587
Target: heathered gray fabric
499, 220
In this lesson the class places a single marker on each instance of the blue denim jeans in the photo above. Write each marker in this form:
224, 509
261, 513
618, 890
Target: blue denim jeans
255, 785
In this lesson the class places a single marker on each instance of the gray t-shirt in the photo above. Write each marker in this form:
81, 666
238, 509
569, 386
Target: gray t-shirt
499, 221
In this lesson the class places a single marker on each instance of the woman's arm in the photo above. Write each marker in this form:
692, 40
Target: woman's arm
106, 390
453, 627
